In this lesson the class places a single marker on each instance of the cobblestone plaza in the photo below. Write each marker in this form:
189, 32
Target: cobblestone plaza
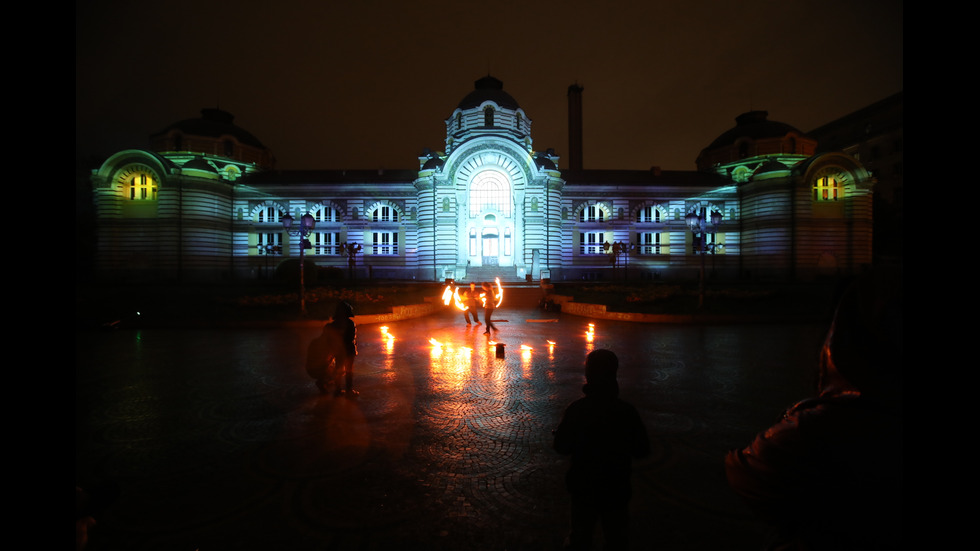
218, 439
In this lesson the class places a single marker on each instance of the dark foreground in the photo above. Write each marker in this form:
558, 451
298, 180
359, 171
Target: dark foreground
218, 440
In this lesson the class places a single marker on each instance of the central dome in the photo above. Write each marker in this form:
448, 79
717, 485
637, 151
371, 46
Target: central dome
488, 88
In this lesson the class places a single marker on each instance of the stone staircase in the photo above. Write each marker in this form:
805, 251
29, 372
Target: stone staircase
478, 274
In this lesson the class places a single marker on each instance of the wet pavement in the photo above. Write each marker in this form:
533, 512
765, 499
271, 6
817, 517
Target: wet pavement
218, 439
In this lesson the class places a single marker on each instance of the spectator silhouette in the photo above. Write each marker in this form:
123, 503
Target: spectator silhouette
325, 356
331, 355
343, 324
828, 474
602, 433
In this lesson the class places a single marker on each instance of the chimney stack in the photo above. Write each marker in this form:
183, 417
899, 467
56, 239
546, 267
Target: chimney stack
575, 127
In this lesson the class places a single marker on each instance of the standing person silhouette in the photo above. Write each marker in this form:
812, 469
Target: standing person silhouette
488, 306
602, 433
343, 324
323, 351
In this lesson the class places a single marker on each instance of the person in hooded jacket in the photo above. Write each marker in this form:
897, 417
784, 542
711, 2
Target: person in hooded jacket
603, 434
829, 474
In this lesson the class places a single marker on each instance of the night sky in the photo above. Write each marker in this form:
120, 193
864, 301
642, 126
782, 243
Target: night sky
368, 84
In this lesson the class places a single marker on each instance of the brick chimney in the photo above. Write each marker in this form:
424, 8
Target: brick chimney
575, 127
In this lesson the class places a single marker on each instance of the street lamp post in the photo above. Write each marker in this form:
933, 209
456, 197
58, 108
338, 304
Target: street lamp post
305, 228
698, 222
620, 248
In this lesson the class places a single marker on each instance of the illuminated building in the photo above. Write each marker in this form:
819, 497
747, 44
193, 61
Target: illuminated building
205, 202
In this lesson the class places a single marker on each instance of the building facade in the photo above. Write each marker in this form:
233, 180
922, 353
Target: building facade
205, 202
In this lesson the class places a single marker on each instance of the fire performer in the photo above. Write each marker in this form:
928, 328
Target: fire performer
489, 304
470, 302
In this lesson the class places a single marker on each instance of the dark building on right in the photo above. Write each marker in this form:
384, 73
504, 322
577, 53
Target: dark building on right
874, 136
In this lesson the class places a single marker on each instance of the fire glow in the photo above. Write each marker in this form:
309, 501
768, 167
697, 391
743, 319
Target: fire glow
451, 295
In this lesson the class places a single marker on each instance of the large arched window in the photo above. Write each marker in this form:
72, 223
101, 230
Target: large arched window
650, 215
827, 188
384, 213
593, 213
138, 183
326, 214
268, 215
490, 191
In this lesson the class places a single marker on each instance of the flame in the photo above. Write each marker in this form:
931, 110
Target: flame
451, 294
498, 296
435, 342
590, 334
526, 347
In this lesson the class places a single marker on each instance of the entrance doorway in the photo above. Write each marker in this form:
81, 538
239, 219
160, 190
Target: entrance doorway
490, 248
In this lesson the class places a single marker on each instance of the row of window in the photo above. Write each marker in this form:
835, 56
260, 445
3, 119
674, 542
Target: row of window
328, 243
270, 214
649, 243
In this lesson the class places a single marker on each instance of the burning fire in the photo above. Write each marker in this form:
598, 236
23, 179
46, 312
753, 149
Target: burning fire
451, 295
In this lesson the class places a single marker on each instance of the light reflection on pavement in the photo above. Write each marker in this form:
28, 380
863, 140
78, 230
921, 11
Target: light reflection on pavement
220, 440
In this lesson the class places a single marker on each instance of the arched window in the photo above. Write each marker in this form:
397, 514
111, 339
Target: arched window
649, 215
488, 113
490, 190
384, 213
593, 213
268, 215
142, 187
326, 213
827, 188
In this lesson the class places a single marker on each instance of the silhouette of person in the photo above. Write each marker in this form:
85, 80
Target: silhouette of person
324, 356
472, 303
468, 298
602, 433
829, 474
343, 324
489, 305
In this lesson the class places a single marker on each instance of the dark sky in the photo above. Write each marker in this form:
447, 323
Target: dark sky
368, 84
